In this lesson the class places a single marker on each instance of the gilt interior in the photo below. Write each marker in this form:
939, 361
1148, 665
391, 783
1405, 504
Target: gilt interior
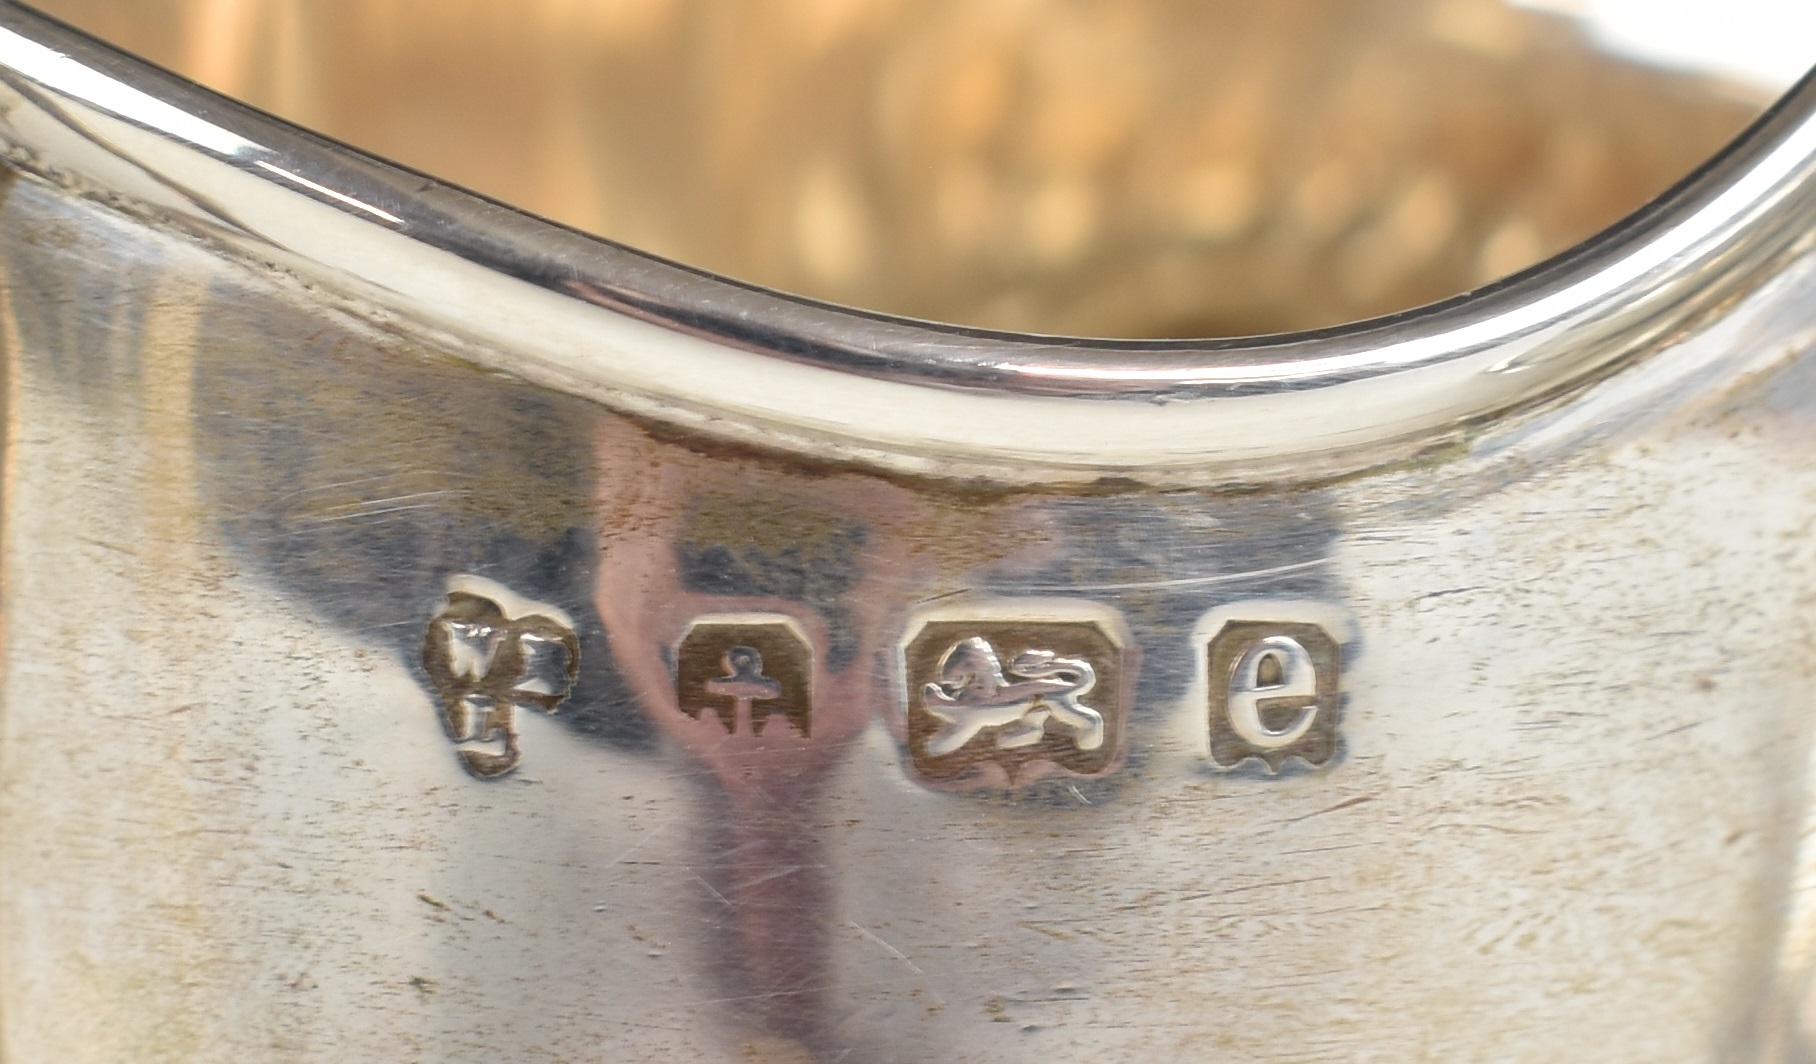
1096, 167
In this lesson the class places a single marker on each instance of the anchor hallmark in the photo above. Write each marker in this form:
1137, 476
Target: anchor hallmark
488, 653
746, 669
999, 699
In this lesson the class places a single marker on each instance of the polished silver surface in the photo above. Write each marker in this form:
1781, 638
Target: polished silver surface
400, 664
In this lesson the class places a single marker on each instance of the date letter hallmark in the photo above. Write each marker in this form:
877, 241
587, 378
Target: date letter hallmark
1001, 700
1274, 693
489, 653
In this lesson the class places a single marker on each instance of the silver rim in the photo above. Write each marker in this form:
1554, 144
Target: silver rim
659, 340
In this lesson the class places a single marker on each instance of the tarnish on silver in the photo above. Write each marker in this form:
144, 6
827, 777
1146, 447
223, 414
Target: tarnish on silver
489, 654
651, 338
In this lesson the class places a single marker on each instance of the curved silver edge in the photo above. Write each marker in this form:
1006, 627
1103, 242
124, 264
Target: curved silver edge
660, 340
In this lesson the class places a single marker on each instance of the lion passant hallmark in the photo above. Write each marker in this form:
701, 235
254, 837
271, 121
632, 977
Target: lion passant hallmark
1005, 693
975, 692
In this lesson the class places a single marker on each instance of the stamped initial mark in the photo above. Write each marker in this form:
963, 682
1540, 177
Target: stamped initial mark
1274, 693
489, 653
1010, 693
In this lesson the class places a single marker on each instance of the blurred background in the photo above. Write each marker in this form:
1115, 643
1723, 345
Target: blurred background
1767, 44
1100, 167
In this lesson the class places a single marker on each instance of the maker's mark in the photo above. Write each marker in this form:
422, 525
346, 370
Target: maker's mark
488, 653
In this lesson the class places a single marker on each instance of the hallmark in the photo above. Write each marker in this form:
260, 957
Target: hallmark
489, 653
746, 669
1014, 697
1274, 693
972, 694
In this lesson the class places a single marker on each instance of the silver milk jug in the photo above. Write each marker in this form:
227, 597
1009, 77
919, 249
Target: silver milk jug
435, 634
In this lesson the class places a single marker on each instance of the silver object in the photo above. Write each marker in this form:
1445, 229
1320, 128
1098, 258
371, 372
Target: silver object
298, 441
